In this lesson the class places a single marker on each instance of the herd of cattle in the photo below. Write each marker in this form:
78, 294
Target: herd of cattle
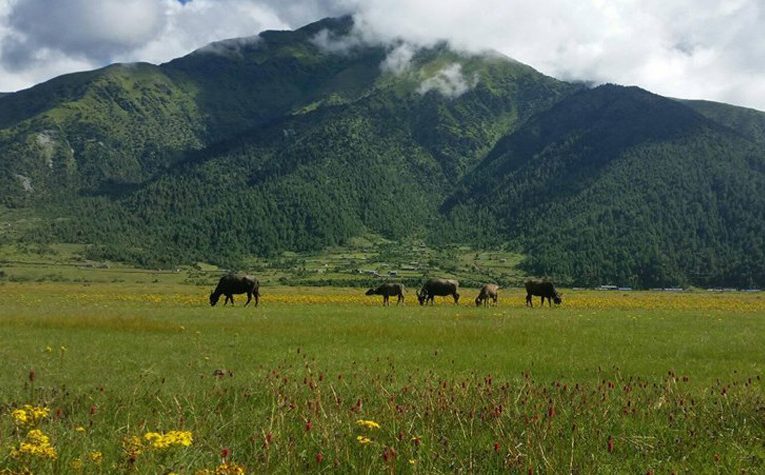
232, 284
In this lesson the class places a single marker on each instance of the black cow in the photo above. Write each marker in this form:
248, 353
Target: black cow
387, 290
231, 284
438, 287
488, 292
543, 289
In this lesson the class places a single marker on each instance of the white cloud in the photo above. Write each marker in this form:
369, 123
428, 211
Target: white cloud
201, 22
40, 39
449, 81
79, 28
331, 43
712, 49
399, 59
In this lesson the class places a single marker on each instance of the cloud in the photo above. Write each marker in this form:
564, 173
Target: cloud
79, 28
399, 58
712, 49
40, 39
230, 47
449, 81
199, 23
332, 43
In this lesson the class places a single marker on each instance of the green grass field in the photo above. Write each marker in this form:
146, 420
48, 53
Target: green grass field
607, 383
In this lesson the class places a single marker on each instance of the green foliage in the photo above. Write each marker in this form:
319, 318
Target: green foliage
255, 146
616, 185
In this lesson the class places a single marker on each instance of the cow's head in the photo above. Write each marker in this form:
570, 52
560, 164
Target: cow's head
370, 292
421, 296
456, 297
214, 299
478, 301
558, 298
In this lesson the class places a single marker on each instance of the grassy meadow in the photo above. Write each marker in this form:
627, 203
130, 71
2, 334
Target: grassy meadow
148, 378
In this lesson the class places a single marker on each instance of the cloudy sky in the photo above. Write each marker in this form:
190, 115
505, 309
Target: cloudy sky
710, 49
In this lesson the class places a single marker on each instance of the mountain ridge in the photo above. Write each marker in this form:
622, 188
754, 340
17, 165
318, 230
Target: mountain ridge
286, 141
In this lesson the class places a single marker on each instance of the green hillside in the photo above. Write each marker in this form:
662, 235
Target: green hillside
382, 163
617, 184
749, 122
299, 140
92, 132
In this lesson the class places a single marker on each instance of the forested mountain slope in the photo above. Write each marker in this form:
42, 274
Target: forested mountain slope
295, 140
617, 183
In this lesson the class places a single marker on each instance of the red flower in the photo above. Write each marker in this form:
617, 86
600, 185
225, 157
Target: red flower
32, 375
610, 444
225, 453
319, 457
388, 454
496, 447
308, 425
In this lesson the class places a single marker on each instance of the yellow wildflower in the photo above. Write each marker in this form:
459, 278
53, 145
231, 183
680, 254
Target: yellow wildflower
36, 444
95, 456
369, 424
76, 464
133, 446
363, 440
29, 415
79, 429
172, 438
229, 468
412, 461
20, 417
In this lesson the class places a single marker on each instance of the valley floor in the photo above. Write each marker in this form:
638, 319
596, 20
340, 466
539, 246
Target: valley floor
608, 382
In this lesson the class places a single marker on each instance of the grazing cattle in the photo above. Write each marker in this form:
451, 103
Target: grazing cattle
543, 289
387, 290
438, 287
231, 284
488, 292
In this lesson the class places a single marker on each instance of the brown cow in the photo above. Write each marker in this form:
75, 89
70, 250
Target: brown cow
488, 291
387, 290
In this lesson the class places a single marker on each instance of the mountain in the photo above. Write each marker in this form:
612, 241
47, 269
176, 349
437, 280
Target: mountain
619, 183
749, 122
296, 140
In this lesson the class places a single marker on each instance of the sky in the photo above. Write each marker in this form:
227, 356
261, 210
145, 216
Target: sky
696, 49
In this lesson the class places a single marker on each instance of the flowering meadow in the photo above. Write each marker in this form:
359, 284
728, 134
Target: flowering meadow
128, 378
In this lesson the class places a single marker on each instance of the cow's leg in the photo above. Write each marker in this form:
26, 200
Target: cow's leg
256, 296
249, 297
549, 301
400, 298
529, 303
385, 300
